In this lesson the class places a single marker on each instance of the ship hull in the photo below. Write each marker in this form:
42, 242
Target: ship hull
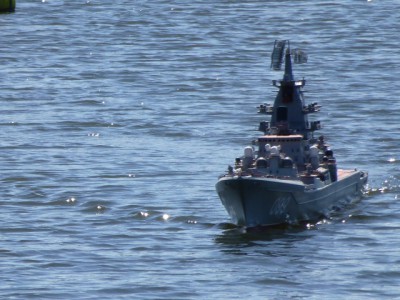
259, 201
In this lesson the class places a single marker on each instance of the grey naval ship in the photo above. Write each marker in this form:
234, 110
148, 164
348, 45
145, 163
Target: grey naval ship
287, 176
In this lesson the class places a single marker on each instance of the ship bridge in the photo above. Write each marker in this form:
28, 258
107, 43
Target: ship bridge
290, 145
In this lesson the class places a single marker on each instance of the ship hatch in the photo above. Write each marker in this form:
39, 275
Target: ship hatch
287, 93
282, 114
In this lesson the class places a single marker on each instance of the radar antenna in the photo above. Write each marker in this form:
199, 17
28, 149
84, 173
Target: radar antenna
277, 56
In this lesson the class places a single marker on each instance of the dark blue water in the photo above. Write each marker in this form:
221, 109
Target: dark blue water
117, 118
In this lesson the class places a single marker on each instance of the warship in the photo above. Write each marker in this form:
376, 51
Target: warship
287, 175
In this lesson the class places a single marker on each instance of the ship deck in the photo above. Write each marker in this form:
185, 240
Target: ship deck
344, 173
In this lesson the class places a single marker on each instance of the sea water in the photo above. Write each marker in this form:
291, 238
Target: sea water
118, 117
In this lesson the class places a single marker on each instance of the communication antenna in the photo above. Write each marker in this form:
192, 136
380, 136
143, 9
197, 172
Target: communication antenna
299, 56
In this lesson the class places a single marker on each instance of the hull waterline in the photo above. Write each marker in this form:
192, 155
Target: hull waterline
252, 202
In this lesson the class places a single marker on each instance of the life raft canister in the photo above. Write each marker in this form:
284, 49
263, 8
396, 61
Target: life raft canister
7, 6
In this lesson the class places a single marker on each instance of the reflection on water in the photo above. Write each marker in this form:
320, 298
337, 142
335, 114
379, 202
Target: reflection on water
241, 237
235, 239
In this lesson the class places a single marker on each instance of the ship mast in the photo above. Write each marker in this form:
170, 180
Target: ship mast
289, 115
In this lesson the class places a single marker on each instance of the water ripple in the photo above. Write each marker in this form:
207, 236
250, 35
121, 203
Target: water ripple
118, 118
